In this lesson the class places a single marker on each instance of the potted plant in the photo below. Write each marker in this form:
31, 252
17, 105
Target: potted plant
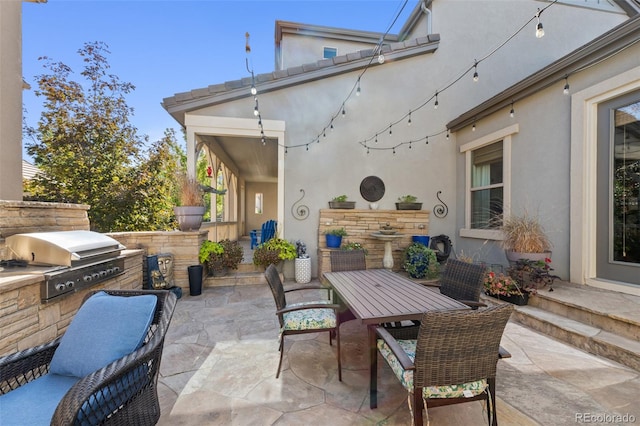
354, 247
334, 237
273, 252
506, 288
302, 263
408, 202
191, 207
221, 256
524, 238
340, 202
533, 273
420, 262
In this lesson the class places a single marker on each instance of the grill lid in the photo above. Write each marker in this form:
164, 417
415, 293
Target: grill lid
67, 248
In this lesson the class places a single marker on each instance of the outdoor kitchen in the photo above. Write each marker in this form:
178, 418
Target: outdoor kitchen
49, 260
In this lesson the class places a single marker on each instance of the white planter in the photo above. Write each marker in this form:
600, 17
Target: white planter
303, 270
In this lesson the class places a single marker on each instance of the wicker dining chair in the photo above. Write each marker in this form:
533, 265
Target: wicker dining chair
347, 260
462, 281
124, 392
303, 317
453, 360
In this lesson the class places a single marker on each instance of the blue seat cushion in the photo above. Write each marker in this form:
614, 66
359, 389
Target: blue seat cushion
35, 402
104, 329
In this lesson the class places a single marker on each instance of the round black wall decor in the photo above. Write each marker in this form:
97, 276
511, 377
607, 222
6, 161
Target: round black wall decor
372, 188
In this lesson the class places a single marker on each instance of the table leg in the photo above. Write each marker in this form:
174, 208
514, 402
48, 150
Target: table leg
387, 259
373, 367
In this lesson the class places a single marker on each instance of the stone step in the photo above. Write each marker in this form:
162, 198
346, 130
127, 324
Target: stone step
587, 337
594, 307
234, 278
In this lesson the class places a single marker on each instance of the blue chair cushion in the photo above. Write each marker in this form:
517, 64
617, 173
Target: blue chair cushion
105, 329
35, 402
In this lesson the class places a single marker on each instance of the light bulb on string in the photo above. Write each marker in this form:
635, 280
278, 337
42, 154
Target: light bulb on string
447, 134
473, 128
376, 138
307, 147
394, 150
331, 128
381, 59
539, 29
264, 141
254, 91
255, 111
512, 113
426, 140
409, 144
566, 86
358, 88
390, 131
286, 150
343, 111
475, 72
435, 104
409, 121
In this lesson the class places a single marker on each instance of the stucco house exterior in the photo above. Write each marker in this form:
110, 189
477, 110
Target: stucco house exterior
302, 150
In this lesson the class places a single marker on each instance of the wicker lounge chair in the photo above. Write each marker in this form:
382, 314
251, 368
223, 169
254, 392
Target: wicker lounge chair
124, 392
453, 360
463, 281
304, 317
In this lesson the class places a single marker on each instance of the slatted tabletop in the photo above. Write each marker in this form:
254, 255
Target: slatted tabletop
378, 296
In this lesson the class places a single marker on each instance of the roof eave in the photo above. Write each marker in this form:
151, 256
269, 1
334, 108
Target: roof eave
614, 40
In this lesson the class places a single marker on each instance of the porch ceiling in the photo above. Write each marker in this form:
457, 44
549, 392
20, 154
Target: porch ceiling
253, 161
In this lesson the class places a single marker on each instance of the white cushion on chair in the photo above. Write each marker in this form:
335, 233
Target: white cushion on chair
406, 376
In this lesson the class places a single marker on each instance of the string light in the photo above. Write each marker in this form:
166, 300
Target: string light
566, 85
473, 128
426, 140
512, 113
355, 90
390, 131
539, 29
409, 121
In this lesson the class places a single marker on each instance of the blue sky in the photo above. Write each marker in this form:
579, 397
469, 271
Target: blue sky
164, 47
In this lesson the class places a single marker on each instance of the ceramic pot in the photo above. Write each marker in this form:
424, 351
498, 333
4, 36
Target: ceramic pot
189, 217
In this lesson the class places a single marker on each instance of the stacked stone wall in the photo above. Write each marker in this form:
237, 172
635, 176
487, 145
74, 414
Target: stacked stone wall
361, 223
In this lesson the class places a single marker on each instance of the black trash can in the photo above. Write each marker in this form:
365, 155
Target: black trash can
195, 279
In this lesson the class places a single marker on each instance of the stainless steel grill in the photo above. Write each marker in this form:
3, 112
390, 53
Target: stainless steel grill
72, 260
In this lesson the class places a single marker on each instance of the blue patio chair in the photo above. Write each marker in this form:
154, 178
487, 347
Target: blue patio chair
268, 230
255, 238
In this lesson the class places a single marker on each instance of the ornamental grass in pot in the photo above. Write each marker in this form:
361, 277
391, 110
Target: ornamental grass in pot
525, 238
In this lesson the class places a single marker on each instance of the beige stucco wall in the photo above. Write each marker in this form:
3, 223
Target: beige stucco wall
11, 100
270, 208
552, 163
338, 163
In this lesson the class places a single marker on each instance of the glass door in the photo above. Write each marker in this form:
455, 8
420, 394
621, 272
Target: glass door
618, 190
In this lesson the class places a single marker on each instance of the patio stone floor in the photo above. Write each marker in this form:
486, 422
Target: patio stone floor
221, 355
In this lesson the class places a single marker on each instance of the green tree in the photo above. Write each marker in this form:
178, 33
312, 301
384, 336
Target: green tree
90, 153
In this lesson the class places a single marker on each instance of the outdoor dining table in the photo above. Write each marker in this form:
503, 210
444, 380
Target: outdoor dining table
379, 296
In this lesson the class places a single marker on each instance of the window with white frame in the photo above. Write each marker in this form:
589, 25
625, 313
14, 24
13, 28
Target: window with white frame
488, 183
487, 186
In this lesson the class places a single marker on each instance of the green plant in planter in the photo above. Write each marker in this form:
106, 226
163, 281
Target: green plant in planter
340, 198
421, 262
354, 247
218, 256
273, 252
407, 199
338, 232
